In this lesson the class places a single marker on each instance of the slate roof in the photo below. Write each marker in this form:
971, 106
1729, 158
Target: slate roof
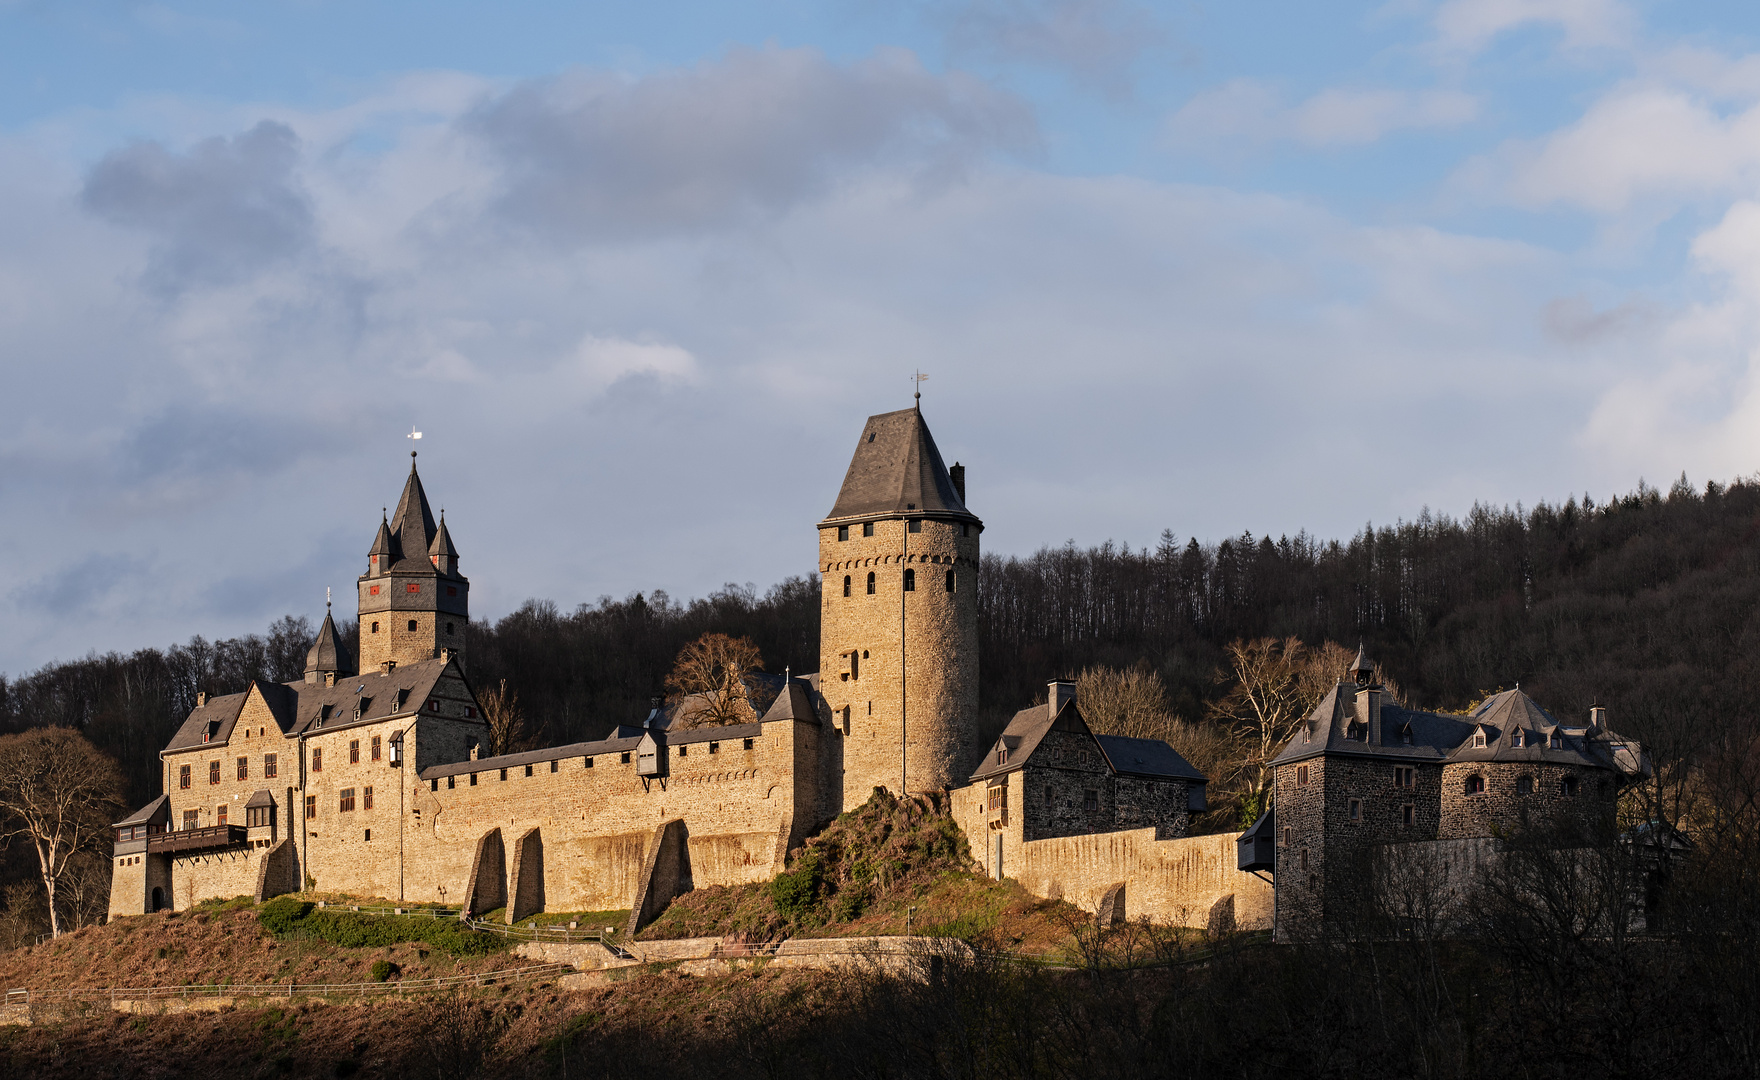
327, 653
298, 706
146, 815
1147, 757
1447, 737
794, 703
442, 545
692, 737
260, 799
897, 470
412, 526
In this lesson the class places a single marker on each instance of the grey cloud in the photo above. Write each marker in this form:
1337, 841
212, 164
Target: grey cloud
202, 443
755, 132
1094, 41
224, 209
81, 589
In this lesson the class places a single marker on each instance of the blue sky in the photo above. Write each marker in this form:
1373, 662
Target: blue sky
640, 271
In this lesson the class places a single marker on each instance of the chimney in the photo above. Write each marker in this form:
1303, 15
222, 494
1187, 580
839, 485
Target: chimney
330, 678
387, 667
655, 704
1598, 717
1059, 692
958, 475
445, 655
201, 698
1369, 713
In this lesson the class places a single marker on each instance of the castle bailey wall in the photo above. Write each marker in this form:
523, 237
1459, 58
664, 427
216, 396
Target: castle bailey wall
914, 678
208, 875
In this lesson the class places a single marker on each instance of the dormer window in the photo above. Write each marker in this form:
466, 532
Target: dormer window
1556, 742
361, 705
1405, 734
1516, 738
1479, 738
1002, 755
402, 698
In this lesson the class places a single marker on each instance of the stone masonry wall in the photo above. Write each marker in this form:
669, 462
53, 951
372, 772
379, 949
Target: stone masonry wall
1501, 808
1180, 881
916, 668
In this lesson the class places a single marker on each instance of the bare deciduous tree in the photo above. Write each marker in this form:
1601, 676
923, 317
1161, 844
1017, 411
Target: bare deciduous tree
507, 722
1133, 702
711, 670
60, 792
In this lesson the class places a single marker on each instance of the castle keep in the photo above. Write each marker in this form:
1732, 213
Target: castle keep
370, 778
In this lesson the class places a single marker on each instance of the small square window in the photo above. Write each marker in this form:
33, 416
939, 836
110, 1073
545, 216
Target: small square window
714, 748
843, 532
451, 782
626, 757
846, 720
868, 528
412, 626
503, 774
1090, 800
528, 770
915, 525
683, 750
368, 836
587, 762
553, 764
473, 780
434, 784
1524, 785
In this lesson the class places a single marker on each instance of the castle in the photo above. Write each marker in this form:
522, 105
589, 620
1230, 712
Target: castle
369, 778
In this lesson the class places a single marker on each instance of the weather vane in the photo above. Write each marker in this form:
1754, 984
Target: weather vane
917, 382
413, 434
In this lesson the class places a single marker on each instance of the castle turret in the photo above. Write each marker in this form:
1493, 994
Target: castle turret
899, 638
413, 600
326, 660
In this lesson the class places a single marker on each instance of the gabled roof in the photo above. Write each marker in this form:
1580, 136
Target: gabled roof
159, 810
215, 717
1147, 757
897, 470
693, 737
794, 702
1025, 731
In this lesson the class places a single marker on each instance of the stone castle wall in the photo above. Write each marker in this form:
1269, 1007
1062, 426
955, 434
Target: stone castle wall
1504, 808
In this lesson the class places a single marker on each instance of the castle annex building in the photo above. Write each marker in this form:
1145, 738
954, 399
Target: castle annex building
367, 775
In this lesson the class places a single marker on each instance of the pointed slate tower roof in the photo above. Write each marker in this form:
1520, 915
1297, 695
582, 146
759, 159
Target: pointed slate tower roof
383, 544
413, 524
1362, 669
897, 471
442, 545
326, 654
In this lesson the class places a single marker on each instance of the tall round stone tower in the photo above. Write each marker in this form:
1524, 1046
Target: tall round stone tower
898, 645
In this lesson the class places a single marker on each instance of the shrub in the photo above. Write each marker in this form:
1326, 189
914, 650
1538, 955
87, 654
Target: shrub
382, 970
281, 915
795, 892
285, 915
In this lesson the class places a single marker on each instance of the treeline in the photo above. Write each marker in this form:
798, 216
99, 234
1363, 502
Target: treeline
1646, 604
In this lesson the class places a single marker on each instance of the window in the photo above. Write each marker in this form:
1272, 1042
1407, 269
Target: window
625, 757
587, 762
1090, 800
1405, 734
855, 664
915, 525
528, 770
449, 625
192, 819
1304, 858
1289, 836
470, 712
345, 802
270, 768
999, 802
503, 774
845, 727
965, 529
1556, 742
951, 579
317, 759
256, 816
434, 784
870, 583
1406, 815
375, 628
910, 581
473, 780
1568, 786
354, 751
1050, 794
1524, 785
868, 528
1479, 738
1301, 774
1405, 778
715, 748
376, 748
1475, 785
213, 772
1356, 809
220, 814
1002, 755
244, 768
1518, 738
412, 622
683, 750
311, 807
412, 587
846, 584
451, 782
373, 590
554, 764
368, 836
843, 532
366, 798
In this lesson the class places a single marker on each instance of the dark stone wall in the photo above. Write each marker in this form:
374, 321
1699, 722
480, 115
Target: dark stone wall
1067, 764
1501, 809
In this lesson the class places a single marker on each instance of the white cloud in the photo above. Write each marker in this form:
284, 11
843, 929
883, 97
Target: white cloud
1473, 24
1247, 112
1095, 41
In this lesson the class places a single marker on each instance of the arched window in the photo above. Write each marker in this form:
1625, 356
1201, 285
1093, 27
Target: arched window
846, 584
910, 581
870, 583
1475, 785
951, 582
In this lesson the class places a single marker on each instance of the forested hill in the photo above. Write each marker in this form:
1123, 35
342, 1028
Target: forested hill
1646, 604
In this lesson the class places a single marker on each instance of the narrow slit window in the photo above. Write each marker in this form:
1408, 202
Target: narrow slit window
846, 584
870, 583
910, 581
952, 582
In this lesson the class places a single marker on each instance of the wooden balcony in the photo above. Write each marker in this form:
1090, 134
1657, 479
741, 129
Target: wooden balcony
215, 836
